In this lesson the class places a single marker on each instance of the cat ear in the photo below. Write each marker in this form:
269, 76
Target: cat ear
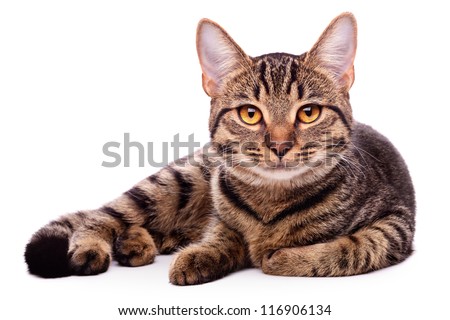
219, 56
336, 48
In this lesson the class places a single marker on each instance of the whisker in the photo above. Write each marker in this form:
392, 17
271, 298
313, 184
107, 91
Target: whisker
359, 149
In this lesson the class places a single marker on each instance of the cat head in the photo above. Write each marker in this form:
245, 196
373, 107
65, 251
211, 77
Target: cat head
280, 116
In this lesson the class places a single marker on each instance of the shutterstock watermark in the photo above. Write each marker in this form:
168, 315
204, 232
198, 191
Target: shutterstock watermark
113, 149
245, 154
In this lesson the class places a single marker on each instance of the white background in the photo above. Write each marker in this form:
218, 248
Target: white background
75, 75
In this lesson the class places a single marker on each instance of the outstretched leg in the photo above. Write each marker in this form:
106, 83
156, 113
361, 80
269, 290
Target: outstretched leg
159, 214
222, 251
383, 243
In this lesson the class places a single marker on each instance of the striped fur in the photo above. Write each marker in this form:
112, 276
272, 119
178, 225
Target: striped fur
337, 201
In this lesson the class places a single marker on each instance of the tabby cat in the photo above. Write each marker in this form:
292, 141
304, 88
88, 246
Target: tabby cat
299, 187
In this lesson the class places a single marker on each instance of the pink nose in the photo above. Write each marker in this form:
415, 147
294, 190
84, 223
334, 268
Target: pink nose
279, 140
280, 148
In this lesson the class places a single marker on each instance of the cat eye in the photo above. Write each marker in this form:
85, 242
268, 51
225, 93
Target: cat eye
250, 114
309, 113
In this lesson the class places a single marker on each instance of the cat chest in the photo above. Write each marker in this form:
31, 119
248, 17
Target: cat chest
267, 223
273, 227
260, 235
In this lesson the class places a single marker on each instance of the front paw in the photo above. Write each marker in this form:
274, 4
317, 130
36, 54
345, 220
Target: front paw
195, 266
293, 262
274, 262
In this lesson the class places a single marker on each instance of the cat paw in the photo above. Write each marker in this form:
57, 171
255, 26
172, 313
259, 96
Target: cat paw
291, 262
194, 266
90, 257
274, 261
135, 247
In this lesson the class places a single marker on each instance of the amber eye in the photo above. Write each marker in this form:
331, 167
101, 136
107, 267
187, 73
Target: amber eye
250, 114
309, 113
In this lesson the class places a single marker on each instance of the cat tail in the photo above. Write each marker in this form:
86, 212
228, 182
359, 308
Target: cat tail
46, 253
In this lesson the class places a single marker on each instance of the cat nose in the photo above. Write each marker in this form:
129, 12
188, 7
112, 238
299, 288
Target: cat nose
280, 148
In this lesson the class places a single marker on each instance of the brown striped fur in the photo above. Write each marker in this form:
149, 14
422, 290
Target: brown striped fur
328, 198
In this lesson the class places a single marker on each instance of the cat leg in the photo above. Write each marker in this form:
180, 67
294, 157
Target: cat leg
172, 206
383, 243
221, 252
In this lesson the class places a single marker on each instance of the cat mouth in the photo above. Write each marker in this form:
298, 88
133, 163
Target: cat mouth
280, 171
281, 168
287, 165
282, 165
